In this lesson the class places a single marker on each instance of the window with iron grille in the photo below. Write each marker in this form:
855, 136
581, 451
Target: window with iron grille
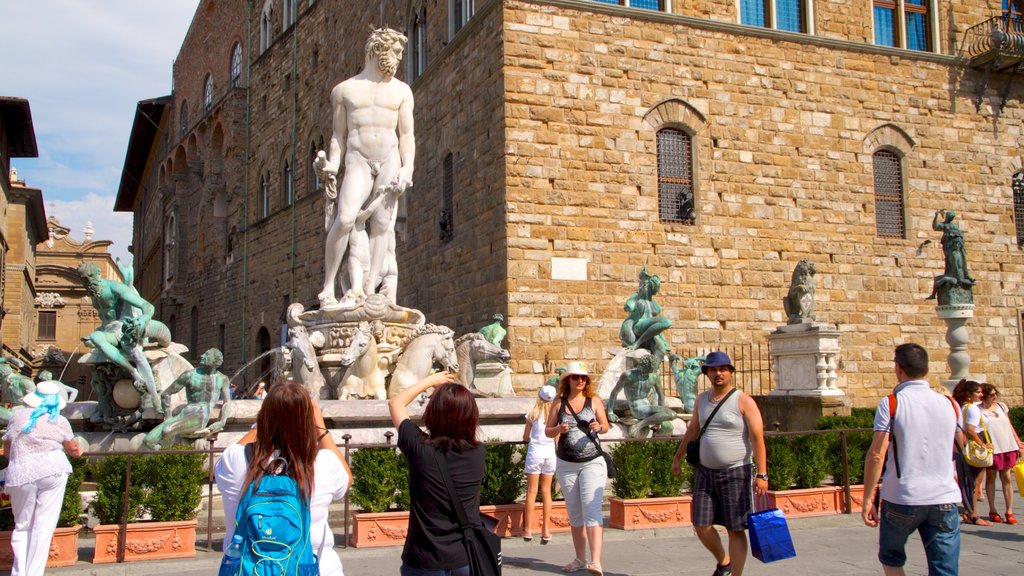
446, 220
888, 173
47, 325
675, 177
236, 66
1018, 205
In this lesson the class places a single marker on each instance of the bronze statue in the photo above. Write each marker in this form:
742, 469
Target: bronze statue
686, 372
493, 332
954, 285
204, 386
645, 397
644, 323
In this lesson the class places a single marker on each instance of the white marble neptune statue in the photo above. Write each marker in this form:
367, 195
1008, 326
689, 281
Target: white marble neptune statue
373, 139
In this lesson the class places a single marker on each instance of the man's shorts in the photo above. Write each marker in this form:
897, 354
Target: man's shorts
722, 497
539, 464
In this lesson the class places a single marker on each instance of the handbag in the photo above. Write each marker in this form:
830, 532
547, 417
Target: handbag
608, 462
483, 546
769, 535
693, 447
1018, 474
978, 455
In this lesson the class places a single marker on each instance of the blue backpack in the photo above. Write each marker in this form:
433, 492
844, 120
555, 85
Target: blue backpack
273, 520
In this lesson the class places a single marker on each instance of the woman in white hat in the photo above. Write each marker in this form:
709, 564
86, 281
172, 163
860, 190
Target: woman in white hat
38, 442
540, 464
577, 416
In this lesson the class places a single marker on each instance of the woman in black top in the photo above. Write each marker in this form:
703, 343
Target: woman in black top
434, 545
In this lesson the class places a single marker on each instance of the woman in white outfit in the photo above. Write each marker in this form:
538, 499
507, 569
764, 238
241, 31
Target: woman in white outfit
290, 424
38, 442
540, 464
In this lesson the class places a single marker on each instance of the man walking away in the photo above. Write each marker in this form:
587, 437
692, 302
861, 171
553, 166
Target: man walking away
722, 480
918, 491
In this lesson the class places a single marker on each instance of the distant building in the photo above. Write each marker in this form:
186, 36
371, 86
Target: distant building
64, 311
563, 144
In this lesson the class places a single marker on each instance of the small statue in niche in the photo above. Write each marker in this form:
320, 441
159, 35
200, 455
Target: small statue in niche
494, 332
799, 302
645, 397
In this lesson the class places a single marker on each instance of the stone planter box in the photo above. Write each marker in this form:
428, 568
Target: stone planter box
804, 502
63, 548
372, 529
669, 512
856, 498
146, 541
510, 518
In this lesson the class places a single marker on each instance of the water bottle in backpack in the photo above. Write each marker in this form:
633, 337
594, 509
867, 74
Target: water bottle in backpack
232, 561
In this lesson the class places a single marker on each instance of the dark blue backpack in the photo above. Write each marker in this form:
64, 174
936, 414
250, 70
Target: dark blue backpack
273, 519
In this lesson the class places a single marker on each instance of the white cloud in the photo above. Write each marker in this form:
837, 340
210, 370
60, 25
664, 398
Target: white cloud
83, 66
99, 211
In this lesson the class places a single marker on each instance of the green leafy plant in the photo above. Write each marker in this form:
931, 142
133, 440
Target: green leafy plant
811, 452
504, 477
71, 508
380, 480
174, 484
644, 470
782, 463
857, 443
109, 475
1017, 418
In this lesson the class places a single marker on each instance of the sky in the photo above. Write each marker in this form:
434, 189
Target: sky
83, 65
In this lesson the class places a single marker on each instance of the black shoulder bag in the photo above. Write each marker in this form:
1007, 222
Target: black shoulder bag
483, 546
585, 426
693, 448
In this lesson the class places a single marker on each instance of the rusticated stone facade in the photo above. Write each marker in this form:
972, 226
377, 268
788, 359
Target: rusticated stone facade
550, 110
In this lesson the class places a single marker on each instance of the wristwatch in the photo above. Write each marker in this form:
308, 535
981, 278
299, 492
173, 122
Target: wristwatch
762, 477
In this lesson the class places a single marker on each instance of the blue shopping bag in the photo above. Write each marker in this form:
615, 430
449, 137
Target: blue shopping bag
769, 536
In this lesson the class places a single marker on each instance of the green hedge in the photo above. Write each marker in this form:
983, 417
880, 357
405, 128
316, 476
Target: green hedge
380, 480
109, 476
504, 476
782, 462
1017, 417
71, 507
644, 470
168, 487
857, 443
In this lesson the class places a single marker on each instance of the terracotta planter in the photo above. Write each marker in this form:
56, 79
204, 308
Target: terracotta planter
371, 529
510, 518
63, 548
146, 541
820, 501
856, 498
669, 512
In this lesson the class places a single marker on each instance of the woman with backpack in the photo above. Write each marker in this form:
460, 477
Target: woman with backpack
290, 441
434, 545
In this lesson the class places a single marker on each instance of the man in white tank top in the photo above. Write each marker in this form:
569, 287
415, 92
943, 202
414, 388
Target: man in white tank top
722, 480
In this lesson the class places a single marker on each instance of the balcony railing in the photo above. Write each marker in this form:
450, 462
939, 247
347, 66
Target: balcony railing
995, 44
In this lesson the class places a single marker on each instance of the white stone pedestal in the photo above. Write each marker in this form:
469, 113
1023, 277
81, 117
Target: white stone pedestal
493, 379
805, 357
957, 337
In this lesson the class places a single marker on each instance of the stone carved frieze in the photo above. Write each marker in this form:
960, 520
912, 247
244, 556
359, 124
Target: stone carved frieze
49, 300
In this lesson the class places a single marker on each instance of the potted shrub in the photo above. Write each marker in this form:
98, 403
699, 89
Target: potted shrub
64, 544
857, 445
168, 487
380, 489
800, 461
646, 494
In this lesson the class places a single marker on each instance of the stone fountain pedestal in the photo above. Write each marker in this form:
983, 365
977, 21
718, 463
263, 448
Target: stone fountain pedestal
805, 357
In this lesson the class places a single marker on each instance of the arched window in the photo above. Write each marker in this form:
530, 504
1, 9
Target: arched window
208, 93
170, 247
418, 46
287, 186
194, 333
447, 217
266, 26
289, 13
1018, 205
183, 119
888, 175
264, 204
235, 73
675, 177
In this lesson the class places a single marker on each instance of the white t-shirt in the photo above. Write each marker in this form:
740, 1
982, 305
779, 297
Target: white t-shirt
972, 415
330, 482
923, 432
540, 445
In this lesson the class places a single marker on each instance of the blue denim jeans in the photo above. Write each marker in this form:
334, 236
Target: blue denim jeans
410, 571
938, 526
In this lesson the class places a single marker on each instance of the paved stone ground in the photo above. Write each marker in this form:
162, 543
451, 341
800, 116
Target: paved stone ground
833, 545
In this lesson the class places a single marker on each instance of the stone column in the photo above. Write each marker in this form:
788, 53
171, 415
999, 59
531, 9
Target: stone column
957, 337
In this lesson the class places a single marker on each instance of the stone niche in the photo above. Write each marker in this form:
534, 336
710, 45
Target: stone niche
807, 378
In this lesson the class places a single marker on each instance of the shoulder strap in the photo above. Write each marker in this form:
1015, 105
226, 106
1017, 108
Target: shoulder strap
460, 513
590, 433
713, 412
893, 400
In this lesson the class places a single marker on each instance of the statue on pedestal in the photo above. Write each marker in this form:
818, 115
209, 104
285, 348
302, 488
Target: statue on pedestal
645, 396
799, 302
955, 285
204, 386
494, 332
644, 324
373, 138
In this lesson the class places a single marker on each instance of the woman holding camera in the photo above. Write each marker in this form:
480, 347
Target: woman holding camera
576, 417
290, 426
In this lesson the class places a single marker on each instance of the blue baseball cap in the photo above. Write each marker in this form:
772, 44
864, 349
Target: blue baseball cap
717, 359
